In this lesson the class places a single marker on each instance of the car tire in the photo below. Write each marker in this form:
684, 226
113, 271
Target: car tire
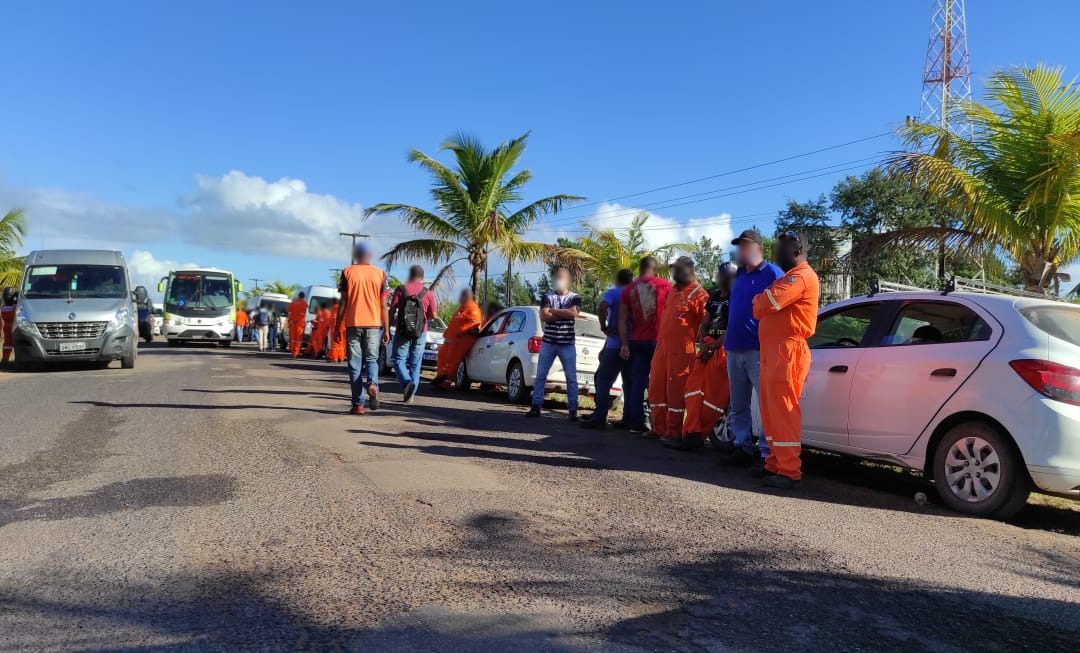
461, 378
977, 470
127, 361
516, 390
226, 343
173, 342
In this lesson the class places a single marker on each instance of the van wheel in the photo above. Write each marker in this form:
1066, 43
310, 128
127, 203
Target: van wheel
978, 471
127, 361
461, 379
516, 390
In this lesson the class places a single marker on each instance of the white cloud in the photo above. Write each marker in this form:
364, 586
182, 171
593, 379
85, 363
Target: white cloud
146, 270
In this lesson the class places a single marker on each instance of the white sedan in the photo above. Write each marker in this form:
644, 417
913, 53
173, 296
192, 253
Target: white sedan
508, 348
980, 391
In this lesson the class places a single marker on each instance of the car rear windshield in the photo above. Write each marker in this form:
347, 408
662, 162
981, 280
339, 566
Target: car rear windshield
63, 281
589, 327
1059, 321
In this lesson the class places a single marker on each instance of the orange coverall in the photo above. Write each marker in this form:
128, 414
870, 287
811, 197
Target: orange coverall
337, 338
787, 315
679, 324
297, 316
707, 393
456, 340
9, 329
320, 328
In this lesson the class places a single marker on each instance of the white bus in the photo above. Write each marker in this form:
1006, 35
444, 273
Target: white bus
199, 305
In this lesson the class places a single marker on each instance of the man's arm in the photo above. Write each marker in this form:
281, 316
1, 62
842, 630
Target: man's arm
602, 314
624, 329
784, 292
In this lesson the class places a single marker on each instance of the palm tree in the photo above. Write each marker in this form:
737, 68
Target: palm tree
1014, 182
282, 288
12, 231
605, 251
472, 215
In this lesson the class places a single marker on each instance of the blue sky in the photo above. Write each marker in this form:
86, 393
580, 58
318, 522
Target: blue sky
245, 135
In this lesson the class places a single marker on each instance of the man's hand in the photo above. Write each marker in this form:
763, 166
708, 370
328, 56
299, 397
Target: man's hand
624, 352
386, 336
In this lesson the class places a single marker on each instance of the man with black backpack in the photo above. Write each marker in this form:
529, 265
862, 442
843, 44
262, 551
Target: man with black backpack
410, 309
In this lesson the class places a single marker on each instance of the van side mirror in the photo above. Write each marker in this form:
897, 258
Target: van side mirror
161, 284
140, 295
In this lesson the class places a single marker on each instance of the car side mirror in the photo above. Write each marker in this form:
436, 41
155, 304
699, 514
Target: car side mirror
140, 295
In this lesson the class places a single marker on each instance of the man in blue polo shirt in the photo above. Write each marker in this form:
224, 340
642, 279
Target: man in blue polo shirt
741, 343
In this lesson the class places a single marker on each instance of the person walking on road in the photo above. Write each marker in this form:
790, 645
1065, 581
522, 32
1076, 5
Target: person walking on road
241, 324
364, 316
787, 313
297, 317
707, 392
410, 309
263, 318
458, 339
612, 364
320, 331
7, 313
559, 309
640, 306
743, 349
683, 313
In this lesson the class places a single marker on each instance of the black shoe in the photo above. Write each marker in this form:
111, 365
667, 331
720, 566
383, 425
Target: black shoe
726, 447
410, 392
759, 471
621, 424
671, 443
649, 435
638, 429
439, 380
572, 416
533, 412
740, 458
780, 482
593, 425
691, 442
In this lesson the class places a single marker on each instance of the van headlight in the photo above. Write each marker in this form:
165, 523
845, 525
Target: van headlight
122, 317
23, 323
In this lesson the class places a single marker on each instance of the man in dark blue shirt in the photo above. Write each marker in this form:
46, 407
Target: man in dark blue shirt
741, 343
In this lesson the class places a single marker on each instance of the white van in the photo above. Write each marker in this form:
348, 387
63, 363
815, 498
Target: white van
317, 297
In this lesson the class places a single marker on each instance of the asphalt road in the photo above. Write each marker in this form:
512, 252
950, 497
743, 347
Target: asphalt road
222, 500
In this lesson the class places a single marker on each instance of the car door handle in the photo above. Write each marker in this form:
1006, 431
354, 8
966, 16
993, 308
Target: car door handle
944, 371
838, 369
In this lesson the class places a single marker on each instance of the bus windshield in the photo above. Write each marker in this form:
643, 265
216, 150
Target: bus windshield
63, 281
200, 290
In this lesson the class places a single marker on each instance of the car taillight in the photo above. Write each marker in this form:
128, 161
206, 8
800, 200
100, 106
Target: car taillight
1053, 380
534, 344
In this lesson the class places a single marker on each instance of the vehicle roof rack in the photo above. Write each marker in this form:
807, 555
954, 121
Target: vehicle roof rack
881, 286
962, 284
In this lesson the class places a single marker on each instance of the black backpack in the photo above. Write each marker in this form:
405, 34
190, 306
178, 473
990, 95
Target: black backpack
410, 321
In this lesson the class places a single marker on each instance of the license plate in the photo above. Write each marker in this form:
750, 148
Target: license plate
72, 346
430, 356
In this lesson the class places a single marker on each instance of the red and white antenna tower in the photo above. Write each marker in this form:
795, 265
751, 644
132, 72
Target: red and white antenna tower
947, 77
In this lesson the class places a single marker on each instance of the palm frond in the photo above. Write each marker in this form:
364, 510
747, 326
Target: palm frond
445, 277
522, 219
424, 249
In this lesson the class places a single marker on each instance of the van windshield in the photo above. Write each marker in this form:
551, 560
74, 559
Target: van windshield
75, 281
196, 290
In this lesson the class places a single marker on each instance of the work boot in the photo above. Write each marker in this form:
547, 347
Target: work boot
638, 429
780, 482
760, 471
534, 411
410, 392
741, 458
690, 442
373, 397
726, 447
622, 424
649, 435
572, 416
671, 441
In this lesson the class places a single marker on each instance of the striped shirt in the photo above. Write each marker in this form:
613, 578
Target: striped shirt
559, 332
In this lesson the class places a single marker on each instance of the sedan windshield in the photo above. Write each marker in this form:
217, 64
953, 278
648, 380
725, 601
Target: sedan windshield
74, 281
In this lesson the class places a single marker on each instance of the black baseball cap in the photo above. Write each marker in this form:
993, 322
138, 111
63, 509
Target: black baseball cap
749, 235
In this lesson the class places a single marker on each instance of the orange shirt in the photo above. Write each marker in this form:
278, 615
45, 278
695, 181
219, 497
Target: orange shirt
241, 318
684, 309
788, 308
364, 291
297, 309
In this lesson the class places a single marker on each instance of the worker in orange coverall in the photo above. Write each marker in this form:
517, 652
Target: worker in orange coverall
337, 337
679, 324
297, 317
458, 339
787, 315
707, 389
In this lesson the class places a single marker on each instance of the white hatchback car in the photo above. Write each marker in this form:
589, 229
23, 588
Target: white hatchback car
508, 348
980, 391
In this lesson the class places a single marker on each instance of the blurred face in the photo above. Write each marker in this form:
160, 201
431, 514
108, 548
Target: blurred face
750, 253
561, 281
465, 298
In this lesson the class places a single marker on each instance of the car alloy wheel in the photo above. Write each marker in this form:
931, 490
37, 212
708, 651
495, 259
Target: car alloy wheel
461, 379
973, 469
515, 384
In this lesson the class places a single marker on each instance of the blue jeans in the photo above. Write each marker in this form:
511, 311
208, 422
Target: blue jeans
271, 339
611, 366
744, 374
363, 347
636, 382
240, 334
408, 357
567, 355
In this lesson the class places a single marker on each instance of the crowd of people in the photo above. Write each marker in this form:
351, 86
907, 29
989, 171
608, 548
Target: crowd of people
696, 355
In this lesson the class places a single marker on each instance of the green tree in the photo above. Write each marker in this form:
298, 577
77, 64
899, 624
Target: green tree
473, 213
522, 291
282, 288
707, 256
812, 221
1014, 182
12, 232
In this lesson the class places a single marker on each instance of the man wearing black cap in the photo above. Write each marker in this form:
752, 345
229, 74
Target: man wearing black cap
679, 324
741, 343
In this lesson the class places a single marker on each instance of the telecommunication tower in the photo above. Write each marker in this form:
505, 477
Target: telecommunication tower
947, 76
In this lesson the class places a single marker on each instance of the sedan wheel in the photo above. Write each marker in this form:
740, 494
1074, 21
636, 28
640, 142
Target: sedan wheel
461, 379
516, 390
978, 471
